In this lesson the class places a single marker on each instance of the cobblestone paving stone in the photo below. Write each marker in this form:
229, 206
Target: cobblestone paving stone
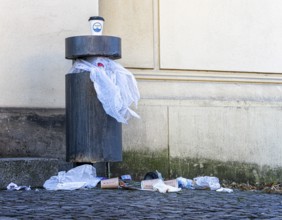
125, 204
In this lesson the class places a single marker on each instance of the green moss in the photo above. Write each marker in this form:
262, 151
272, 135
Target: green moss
138, 163
225, 171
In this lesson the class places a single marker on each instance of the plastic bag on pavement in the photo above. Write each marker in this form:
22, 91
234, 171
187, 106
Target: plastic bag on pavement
158, 185
13, 186
228, 190
161, 187
115, 86
54, 184
83, 176
185, 183
206, 182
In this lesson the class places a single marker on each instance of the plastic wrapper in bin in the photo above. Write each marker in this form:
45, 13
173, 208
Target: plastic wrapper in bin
115, 86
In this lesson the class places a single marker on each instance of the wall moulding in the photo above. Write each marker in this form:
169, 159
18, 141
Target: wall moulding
208, 76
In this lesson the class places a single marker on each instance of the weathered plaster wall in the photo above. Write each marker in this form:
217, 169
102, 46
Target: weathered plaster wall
234, 35
33, 64
199, 116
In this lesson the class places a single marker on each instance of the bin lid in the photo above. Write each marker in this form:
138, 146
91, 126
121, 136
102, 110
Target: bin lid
92, 45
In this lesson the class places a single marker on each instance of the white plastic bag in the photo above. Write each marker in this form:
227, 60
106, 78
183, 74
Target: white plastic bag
83, 176
12, 186
115, 86
228, 190
206, 182
161, 187
185, 183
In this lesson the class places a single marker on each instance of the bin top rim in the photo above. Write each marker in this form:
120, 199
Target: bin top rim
92, 36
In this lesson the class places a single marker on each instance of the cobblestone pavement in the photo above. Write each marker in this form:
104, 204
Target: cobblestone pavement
125, 204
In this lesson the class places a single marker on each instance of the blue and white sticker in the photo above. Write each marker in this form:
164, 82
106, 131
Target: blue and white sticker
97, 27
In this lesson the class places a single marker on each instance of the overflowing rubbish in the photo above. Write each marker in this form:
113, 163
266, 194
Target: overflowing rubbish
115, 86
83, 176
13, 186
202, 182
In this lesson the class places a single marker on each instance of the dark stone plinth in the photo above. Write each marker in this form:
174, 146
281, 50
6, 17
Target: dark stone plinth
27, 171
30, 132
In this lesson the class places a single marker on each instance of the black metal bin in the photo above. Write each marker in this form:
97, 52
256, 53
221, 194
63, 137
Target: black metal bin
91, 135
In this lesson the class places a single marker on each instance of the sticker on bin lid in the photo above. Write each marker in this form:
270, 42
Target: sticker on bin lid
126, 177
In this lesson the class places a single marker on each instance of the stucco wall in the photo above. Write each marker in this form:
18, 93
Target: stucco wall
32, 45
234, 35
211, 103
206, 96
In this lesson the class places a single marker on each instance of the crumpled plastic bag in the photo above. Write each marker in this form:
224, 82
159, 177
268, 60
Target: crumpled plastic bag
185, 183
83, 176
161, 187
115, 86
228, 190
13, 186
206, 182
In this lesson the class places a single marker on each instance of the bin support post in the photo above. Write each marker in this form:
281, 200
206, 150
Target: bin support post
108, 166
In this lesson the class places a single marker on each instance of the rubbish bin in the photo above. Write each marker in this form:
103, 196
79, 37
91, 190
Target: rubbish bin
91, 135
